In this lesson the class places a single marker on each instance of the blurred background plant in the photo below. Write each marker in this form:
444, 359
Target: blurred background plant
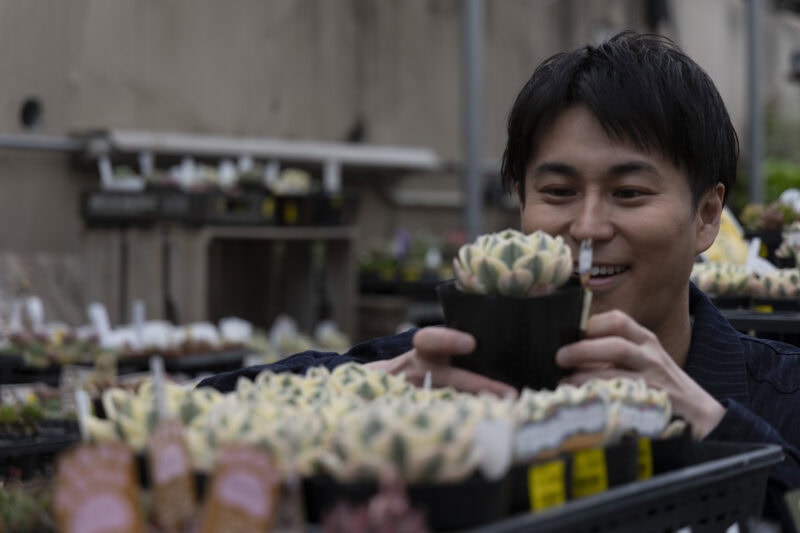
781, 171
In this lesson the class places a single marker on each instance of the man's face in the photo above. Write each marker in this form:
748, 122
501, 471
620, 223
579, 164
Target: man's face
634, 205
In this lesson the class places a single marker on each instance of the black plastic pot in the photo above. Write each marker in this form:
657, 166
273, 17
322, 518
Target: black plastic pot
447, 506
517, 338
465, 504
322, 493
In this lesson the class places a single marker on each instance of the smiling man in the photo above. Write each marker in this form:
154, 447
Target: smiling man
629, 144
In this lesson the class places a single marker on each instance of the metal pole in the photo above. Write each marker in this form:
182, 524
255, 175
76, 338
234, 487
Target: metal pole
756, 125
472, 57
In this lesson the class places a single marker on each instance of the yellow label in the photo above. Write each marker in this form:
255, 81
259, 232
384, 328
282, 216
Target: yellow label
644, 459
268, 208
763, 308
290, 213
412, 273
546, 487
589, 474
387, 273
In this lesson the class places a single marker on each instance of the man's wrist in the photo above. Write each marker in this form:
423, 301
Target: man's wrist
708, 416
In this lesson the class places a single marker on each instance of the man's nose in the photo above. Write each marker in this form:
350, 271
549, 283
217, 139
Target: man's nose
592, 220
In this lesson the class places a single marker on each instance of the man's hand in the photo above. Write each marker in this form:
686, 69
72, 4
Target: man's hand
433, 348
617, 346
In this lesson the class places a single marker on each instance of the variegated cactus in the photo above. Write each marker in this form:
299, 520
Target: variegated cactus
511, 263
783, 283
721, 279
790, 243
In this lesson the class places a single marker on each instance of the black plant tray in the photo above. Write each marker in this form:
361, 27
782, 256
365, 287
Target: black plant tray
316, 209
776, 304
118, 207
215, 362
26, 456
719, 484
242, 208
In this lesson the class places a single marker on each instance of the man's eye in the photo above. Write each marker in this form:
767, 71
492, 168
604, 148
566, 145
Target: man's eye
628, 194
558, 192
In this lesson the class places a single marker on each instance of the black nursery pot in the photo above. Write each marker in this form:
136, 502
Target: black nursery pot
447, 506
517, 338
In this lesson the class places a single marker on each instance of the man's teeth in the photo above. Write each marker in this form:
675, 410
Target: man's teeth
607, 270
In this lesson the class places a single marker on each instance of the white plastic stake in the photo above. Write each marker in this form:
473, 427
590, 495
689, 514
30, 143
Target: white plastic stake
245, 163
332, 177
83, 406
426, 384
35, 311
146, 164
98, 317
106, 171
272, 174
138, 318
157, 370
752, 253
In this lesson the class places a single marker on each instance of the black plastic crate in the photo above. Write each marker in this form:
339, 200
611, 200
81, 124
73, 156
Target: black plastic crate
721, 484
114, 207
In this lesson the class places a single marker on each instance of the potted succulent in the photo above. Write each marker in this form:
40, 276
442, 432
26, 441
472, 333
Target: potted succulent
516, 295
728, 285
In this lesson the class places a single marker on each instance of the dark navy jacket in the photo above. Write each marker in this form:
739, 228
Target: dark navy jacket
757, 380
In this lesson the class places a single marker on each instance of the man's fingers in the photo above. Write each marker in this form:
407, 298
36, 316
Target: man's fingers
438, 341
604, 351
616, 323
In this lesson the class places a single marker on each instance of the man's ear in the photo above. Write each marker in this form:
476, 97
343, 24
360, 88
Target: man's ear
709, 213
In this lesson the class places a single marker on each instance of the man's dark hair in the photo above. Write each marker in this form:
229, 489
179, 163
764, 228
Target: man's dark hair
643, 90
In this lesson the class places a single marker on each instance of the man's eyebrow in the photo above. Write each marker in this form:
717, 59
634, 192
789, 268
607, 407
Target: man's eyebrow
620, 169
631, 167
554, 168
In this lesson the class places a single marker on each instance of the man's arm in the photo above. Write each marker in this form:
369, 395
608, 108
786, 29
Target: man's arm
365, 352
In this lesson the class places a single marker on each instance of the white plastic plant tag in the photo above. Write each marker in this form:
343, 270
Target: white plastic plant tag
106, 171
83, 407
186, 173
15, 320
98, 317
585, 260
426, 384
226, 171
332, 177
157, 370
493, 440
34, 309
146, 164
752, 253
272, 174
245, 163
755, 263
138, 318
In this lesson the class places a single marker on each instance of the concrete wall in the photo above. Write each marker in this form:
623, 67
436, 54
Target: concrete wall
714, 33
386, 71
297, 69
